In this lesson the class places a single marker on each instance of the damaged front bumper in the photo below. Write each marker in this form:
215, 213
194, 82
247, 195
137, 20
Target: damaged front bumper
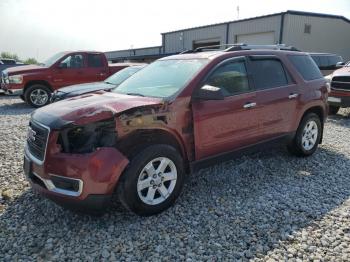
83, 182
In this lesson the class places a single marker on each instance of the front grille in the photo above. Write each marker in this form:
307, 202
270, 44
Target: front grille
37, 139
341, 79
341, 82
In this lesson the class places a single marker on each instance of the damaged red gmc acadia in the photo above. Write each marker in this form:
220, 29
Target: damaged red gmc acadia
141, 139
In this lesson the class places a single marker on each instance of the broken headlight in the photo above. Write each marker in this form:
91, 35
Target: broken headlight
87, 138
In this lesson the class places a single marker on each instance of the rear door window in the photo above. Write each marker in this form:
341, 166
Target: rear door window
268, 73
306, 66
95, 60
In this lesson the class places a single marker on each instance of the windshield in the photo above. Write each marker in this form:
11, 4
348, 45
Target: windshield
120, 76
162, 78
49, 62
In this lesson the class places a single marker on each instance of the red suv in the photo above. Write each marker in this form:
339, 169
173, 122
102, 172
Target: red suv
178, 114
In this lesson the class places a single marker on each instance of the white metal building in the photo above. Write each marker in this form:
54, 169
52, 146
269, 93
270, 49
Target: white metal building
311, 32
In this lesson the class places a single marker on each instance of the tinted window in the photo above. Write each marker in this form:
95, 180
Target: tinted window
72, 61
268, 73
9, 62
306, 66
231, 78
95, 60
333, 60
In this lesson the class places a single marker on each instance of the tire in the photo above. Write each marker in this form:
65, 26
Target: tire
22, 97
307, 137
37, 95
135, 188
333, 110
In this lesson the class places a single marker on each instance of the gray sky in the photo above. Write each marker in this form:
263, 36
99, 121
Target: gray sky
40, 28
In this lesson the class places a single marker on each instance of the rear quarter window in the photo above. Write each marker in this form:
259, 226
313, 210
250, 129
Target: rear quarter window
306, 66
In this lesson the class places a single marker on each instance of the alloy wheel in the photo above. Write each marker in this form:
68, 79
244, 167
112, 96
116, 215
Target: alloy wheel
157, 181
309, 136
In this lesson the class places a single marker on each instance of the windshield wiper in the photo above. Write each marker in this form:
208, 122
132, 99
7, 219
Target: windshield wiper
134, 94
109, 83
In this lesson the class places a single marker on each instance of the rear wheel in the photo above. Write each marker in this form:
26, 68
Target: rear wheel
153, 180
307, 136
37, 95
333, 110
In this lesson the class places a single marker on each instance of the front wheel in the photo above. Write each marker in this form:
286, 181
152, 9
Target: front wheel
307, 137
152, 181
37, 95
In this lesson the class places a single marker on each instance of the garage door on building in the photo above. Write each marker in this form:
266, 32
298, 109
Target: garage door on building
266, 38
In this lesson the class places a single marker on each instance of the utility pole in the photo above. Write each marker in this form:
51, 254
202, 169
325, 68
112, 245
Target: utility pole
237, 12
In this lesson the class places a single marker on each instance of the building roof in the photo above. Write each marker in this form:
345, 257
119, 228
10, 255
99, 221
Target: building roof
292, 12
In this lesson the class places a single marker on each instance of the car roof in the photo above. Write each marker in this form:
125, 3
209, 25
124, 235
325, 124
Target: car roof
7, 59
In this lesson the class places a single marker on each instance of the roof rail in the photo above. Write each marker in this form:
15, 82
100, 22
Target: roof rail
270, 47
240, 46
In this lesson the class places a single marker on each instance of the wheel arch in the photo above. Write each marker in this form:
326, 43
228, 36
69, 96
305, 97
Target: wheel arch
139, 139
38, 82
318, 110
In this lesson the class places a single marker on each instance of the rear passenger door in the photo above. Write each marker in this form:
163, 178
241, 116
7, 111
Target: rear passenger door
96, 68
226, 125
276, 94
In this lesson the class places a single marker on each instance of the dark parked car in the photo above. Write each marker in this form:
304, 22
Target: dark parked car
327, 63
176, 115
7, 63
111, 82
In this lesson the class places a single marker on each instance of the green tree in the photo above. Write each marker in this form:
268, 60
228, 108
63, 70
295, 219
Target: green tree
30, 61
9, 55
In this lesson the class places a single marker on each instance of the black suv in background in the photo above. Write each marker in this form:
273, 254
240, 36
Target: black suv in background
327, 63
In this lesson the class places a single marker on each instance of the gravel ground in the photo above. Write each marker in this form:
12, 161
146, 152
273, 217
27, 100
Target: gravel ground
265, 206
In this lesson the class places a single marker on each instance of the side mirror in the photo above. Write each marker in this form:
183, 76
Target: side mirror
62, 65
208, 92
339, 64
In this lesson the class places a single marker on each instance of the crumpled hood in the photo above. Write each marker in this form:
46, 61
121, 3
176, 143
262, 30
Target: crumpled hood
24, 69
85, 88
89, 108
344, 71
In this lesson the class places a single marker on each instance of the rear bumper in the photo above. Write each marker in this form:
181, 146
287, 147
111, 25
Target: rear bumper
83, 182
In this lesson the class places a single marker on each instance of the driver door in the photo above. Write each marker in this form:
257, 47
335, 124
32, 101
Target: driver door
226, 125
70, 71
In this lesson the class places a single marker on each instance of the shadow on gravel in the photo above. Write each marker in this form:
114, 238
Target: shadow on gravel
10, 107
241, 208
341, 119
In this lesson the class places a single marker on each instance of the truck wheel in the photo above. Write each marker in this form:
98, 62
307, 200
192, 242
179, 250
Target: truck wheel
307, 137
152, 181
333, 110
37, 95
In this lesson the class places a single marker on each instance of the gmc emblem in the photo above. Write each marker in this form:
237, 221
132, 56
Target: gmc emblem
31, 134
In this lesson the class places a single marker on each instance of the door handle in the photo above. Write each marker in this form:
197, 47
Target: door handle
293, 95
249, 105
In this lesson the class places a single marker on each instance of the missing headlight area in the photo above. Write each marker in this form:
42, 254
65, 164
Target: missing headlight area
87, 138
